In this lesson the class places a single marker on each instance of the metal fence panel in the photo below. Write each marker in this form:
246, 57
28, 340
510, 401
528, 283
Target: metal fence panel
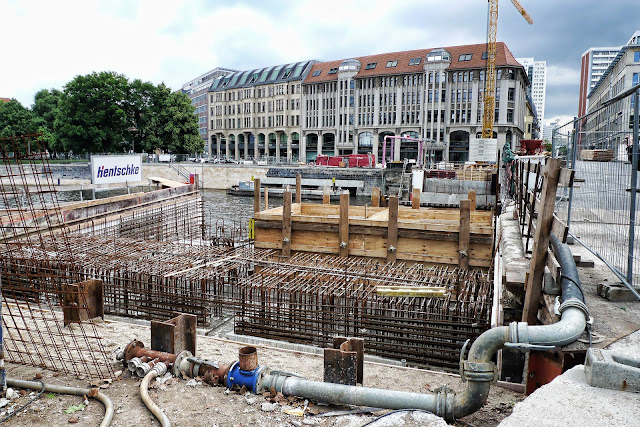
601, 207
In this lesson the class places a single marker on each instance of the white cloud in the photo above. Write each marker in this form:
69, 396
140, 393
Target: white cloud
560, 76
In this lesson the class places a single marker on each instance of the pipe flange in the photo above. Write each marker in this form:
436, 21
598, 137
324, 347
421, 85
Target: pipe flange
480, 371
518, 332
444, 401
177, 367
574, 302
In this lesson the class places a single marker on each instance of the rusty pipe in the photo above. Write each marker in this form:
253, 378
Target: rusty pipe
136, 349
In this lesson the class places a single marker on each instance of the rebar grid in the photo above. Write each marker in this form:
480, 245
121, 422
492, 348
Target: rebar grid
33, 290
311, 298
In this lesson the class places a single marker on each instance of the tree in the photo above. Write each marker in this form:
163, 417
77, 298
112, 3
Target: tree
44, 111
15, 119
140, 102
173, 126
92, 114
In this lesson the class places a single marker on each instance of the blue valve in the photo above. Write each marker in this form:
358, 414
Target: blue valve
237, 376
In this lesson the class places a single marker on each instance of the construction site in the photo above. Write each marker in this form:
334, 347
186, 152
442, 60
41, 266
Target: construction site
498, 288
337, 313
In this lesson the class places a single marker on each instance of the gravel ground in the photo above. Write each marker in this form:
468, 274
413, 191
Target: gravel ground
196, 404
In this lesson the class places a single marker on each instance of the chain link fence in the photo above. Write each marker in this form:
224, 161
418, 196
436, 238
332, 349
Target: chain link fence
601, 208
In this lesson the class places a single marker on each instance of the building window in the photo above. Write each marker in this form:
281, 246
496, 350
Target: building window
510, 115
510, 94
371, 66
286, 73
415, 61
636, 80
316, 73
392, 64
465, 57
333, 70
485, 55
636, 56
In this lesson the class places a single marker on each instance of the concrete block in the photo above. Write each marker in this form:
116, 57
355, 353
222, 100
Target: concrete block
615, 292
608, 369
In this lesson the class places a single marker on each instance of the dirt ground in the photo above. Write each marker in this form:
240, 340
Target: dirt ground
189, 404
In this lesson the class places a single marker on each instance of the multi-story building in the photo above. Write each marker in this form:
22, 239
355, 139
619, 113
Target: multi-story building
595, 62
532, 126
350, 105
537, 72
610, 127
197, 89
256, 113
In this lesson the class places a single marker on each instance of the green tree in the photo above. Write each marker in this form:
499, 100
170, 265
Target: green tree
15, 119
140, 102
173, 125
45, 109
93, 115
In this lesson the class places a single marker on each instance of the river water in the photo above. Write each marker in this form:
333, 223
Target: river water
219, 207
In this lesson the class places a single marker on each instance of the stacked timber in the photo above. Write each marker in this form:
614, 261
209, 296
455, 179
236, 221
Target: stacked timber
431, 236
597, 155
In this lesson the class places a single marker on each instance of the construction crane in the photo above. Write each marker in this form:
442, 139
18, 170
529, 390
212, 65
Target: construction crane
490, 87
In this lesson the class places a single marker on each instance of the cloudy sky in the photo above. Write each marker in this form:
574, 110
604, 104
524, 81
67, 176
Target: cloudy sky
46, 43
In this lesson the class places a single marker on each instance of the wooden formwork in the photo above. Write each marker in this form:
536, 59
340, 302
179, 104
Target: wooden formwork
431, 236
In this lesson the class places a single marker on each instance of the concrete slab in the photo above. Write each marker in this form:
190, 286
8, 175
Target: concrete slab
569, 400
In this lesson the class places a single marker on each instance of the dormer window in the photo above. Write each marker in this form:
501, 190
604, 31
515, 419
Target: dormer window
415, 61
371, 66
392, 64
465, 57
316, 73
333, 70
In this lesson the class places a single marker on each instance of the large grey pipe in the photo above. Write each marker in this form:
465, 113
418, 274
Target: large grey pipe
477, 370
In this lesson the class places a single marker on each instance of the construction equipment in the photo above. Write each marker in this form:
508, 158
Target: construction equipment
490, 86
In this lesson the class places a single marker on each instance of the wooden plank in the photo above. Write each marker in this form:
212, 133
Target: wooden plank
411, 291
298, 188
266, 198
543, 231
559, 229
554, 266
566, 177
344, 224
392, 230
375, 197
415, 199
471, 195
256, 195
326, 195
286, 224
464, 234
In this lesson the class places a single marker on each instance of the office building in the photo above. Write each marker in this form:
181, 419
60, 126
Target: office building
255, 114
622, 74
537, 73
296, 111
350, 105
197, 90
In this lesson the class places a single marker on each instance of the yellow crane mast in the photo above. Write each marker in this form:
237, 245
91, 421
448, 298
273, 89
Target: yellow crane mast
490, 83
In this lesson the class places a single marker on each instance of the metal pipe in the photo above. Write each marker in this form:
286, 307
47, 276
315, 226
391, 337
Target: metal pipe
94, 393
159, 369
634, 186
478, 370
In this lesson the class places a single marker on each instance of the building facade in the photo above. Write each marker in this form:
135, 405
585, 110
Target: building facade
256, 114
537, 73
350, 105
197, 90
610, 126
594, 63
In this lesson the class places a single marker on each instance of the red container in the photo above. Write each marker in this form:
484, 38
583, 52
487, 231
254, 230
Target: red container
335, 160
322, 160
362, 160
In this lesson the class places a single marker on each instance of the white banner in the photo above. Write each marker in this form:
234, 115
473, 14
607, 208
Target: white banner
115, 169
483, 150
